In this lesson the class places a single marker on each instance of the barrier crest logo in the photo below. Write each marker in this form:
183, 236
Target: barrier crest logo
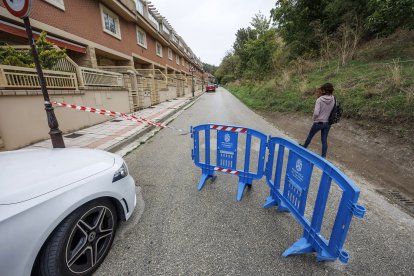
227, 138
298, 165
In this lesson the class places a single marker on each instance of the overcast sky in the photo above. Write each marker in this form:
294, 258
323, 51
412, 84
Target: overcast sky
209, 26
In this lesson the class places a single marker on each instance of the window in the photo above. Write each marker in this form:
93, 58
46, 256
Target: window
141, 38
158, 49
182, 61
154, 20
165, 29
140, 7
177, 59
180, 43
57, 3
170, 54
174, 38
110, 22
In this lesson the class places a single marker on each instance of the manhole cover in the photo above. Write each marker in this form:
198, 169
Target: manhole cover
73, 135
116, 121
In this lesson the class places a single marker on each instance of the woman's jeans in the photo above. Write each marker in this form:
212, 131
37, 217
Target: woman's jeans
324, 128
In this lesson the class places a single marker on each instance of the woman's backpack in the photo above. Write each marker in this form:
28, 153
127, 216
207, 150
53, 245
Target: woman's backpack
336, 113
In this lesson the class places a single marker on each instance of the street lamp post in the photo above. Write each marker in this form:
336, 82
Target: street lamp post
192, 83
192, 69
22, 8
202, 82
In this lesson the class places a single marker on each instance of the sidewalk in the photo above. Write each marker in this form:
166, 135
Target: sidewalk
112, 135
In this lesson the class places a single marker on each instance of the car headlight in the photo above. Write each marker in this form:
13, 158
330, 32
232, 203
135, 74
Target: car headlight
120, 173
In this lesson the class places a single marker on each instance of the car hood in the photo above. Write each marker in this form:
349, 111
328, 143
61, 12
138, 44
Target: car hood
26, 174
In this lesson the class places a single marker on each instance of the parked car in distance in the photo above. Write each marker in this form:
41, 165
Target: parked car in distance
210, 87
216, 85
59, 209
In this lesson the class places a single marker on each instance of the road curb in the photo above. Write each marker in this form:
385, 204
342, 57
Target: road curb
119, 146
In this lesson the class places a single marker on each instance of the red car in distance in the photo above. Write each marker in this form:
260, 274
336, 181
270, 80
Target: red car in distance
210, 87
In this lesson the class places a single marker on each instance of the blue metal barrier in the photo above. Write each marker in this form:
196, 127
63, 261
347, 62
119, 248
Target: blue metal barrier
227, 145
298, 175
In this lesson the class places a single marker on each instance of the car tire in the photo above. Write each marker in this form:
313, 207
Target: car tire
81, 241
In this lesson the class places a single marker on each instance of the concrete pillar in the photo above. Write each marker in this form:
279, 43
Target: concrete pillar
1, 143
130, 63
92, 56
88, 59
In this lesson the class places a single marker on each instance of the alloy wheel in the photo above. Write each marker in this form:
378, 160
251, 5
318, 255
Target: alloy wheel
90, 239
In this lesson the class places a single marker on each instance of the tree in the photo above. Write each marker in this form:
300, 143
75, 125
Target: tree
209, 68
292, 18
229, 68
338, 12
260, 55
386, 16
242, 36
49, 55
296, 20
260, 24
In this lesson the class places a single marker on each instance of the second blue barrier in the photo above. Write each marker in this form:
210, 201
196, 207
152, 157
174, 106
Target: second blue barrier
298, 174
292, 195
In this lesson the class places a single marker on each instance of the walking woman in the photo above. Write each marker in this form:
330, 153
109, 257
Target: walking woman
323, 108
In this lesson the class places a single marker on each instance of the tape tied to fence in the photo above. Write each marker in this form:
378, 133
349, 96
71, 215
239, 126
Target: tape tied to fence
111, 113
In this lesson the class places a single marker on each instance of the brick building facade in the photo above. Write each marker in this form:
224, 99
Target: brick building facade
82, 22
121, 55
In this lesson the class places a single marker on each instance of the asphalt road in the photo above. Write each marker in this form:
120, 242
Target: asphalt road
177, 230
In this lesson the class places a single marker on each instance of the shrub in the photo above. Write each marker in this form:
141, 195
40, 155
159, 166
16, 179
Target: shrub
48, 54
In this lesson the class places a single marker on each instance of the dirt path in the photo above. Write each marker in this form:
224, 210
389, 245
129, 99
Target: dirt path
381, 158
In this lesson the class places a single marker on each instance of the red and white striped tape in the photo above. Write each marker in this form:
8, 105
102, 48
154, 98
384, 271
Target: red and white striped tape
114, 114
227, 128
226, 170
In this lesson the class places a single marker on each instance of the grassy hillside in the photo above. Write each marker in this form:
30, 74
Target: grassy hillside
378, 84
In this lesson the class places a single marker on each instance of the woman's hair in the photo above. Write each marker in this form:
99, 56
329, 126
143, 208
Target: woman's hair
327, 88
318, 92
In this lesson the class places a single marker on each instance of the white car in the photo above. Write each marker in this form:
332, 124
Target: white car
59, 209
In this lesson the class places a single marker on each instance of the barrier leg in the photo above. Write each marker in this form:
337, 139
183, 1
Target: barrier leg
244, 182
241, 188
299, 247
204, 177
270, 202
304, 245
274, 199
282, 207
325, 256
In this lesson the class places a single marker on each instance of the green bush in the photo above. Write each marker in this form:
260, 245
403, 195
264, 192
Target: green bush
48, 54
13, 57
